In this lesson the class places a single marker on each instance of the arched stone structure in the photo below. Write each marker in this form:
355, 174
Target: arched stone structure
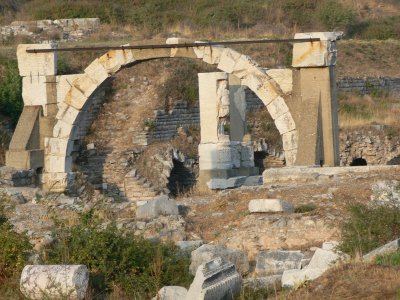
63, 98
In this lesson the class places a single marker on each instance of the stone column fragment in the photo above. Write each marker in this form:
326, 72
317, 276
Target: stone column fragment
54, 281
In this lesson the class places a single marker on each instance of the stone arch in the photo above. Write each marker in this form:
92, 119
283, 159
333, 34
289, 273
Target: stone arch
271, 86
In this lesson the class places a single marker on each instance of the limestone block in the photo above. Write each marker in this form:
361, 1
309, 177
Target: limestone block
323, 259
208, 252
315, 54
290, 140
36, 64
181, 52
228, 183
56, 146
290, 157
330, 245
160, 206
277, 107
54, 281
67, 113
215, 279
34, 90
85, 84
200, 50
385, 249
283, 77
260, 85
64, 83
75, 98
97, 71
270, 205
276, 262
62, 130
212, 55
55, 182
244, 66
247, 155
228, 60
294, 278
171, 293
285, 123
57, 164
112, 61
215, 156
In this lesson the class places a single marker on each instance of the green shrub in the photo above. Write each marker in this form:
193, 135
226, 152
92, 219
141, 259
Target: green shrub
380, 29
11, 103
369, 226
392, 259
334, 15
137, 266
182, 83
304, 208
14, 251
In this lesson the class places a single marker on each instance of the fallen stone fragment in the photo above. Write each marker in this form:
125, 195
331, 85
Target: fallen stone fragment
229, 183
385, 249
171, 293
54, 281
272, 282
160, 206
323, 259
330, 245
270, 205
275, 262
206, 253
294, 278
214, 280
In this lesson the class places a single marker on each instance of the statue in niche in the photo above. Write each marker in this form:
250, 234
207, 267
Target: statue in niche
222, 107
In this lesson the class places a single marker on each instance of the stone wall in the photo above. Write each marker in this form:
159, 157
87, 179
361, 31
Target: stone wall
377, 145
62, 29
369, 85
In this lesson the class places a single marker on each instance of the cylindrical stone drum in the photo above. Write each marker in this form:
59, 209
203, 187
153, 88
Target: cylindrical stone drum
54, 281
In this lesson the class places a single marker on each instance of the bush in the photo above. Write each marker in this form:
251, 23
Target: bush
369, 227
14, 252
305, 208
335, 15
11, 103
392, 259
120, 260
380, 29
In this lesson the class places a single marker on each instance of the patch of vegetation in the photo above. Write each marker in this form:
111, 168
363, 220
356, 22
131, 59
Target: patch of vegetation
392, 259
14, 252
305, 208
151, 124
11, 103
379, 29
248, 293
119, 260
182, 83
369, 226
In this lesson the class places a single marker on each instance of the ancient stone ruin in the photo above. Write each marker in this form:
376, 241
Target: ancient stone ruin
301, 101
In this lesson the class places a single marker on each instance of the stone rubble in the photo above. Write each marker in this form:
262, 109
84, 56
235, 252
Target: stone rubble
270, 205
276, 262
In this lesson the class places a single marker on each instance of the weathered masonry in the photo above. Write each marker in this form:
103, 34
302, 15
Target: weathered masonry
301, 100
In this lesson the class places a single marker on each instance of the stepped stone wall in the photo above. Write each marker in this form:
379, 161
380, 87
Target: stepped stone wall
368, 85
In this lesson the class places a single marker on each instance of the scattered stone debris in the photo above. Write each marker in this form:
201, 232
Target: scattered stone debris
276, 262
160, 206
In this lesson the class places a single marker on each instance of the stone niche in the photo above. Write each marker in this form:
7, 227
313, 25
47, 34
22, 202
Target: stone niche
223, 150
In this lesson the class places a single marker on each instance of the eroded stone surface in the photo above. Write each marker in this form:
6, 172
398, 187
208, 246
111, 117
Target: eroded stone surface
270, 205
54, 281
276, 262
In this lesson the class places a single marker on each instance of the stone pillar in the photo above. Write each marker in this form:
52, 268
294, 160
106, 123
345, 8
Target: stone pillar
315, 103
39, 94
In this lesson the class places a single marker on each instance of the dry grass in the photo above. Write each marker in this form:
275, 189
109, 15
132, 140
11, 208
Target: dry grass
356, 110
354, 281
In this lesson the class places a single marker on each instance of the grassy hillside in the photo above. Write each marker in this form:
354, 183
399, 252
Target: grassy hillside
362, 19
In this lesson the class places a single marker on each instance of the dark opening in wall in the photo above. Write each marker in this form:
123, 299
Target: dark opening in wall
181, 179
259, 157
358, 162
394, 161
